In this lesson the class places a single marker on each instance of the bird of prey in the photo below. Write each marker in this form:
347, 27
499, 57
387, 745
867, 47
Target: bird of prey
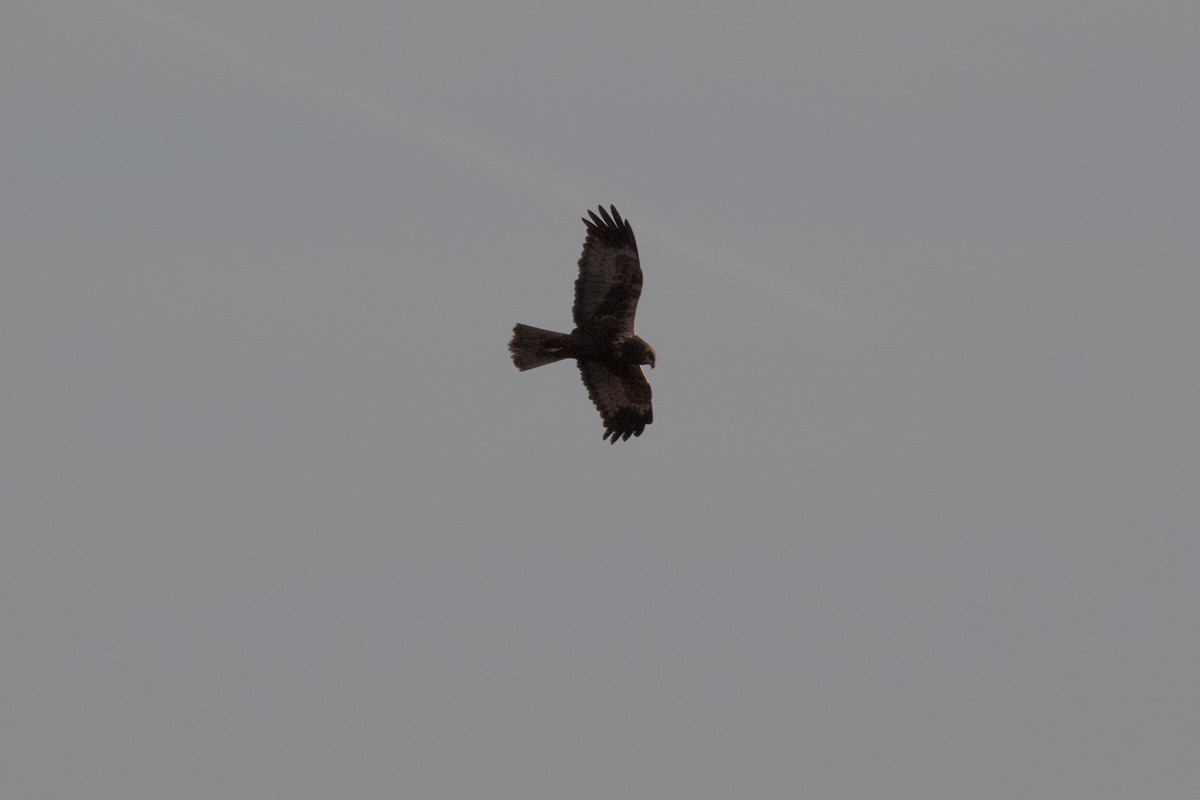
603, 343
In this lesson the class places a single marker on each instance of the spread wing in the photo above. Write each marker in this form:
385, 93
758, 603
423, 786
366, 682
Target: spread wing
610, 275
621, 394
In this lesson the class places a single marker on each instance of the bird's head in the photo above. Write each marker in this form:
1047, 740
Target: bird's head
645, 352
634, 350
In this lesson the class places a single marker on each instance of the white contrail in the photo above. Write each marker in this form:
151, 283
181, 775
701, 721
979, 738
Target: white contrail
772, 283
461, 146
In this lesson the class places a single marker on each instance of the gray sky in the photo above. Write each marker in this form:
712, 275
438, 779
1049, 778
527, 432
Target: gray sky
918, 515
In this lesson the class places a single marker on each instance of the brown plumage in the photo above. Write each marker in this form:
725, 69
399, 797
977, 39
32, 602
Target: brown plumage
603, 343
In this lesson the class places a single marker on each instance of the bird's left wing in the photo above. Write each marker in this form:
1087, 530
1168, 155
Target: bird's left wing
621, 394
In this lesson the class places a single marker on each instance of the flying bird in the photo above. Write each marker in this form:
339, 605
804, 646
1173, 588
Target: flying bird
603, 343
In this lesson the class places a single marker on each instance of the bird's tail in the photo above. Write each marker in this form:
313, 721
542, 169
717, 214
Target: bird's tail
532, 347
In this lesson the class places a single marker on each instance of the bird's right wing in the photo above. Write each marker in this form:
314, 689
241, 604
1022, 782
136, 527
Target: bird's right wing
610, 274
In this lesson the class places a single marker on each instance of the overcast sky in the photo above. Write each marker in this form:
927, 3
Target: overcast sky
919, 513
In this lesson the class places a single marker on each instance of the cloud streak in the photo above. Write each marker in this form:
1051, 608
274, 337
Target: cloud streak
461, 146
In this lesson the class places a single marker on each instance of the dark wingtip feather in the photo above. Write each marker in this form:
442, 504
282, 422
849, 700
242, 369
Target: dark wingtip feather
626, 422
611, 228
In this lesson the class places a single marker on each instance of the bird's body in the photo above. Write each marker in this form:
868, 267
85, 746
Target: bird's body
603, 343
